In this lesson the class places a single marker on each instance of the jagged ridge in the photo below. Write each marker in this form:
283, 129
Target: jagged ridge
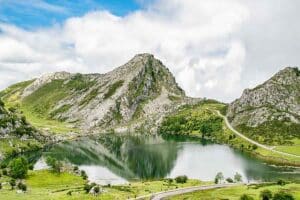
273, 106
137, 94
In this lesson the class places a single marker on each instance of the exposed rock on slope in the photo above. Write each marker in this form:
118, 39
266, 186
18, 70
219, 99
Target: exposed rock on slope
133, 96
274, 103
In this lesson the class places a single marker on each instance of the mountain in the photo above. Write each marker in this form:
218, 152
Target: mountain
135, 96
270, 112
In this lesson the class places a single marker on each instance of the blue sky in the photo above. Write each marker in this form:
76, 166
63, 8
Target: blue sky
42, 13
214, 48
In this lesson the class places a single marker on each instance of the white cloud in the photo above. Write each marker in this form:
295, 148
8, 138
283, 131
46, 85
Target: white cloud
213, 47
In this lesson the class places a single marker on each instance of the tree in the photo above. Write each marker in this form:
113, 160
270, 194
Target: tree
246, 197
283, 196
54, 164
18, 167
181, 179
266, 195
219, 177
237, 177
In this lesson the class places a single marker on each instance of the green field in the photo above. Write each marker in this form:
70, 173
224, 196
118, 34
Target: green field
44, 185
234, 193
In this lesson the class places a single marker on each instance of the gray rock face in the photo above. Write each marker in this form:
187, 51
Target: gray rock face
137, 94
276, 99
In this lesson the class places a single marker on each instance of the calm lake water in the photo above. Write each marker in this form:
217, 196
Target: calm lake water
115, 159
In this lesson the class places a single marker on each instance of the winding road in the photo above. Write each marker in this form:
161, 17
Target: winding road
252, 141
162, 195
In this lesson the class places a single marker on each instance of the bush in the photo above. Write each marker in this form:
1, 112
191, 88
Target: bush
229, 180
30, 166
266, 195
96, 189
181, 179
280, 182
87, 187
75, 168
54, 164
69, 193
83, 174
18, 167
283, 196
22, 186
246, 197
12, 183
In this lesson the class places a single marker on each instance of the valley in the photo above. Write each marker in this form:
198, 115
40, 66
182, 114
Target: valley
133, 132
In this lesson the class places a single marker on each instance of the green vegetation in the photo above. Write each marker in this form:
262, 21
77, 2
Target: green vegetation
192, 120
181, 179
90, 96
252, 191
54, 164
201, 120
61, 109
18, 167
113, 88
43, 185
272, 132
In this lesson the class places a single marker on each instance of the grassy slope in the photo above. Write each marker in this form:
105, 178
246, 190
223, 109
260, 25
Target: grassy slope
225, 135
235, 192
44, 185
38, 106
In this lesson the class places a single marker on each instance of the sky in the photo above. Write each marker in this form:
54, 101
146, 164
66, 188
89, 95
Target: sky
214, 48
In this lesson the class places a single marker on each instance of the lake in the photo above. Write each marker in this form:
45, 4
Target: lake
113, 159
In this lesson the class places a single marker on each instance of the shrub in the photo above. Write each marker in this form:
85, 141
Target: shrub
87, 187
75, 168
69, 193
283, 196
280, 182
18, 167
12, 183
246, 197
22, 186
83, 174
181, 179
229, 180
96, 189
30, 166
54, 164
266, 195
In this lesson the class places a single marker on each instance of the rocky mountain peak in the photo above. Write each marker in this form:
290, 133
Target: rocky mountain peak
137, 94
276, 99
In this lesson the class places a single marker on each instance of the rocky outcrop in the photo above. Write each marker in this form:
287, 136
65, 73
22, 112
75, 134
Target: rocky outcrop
278, 99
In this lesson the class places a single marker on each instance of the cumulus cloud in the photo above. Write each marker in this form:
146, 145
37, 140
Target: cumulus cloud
209, 45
